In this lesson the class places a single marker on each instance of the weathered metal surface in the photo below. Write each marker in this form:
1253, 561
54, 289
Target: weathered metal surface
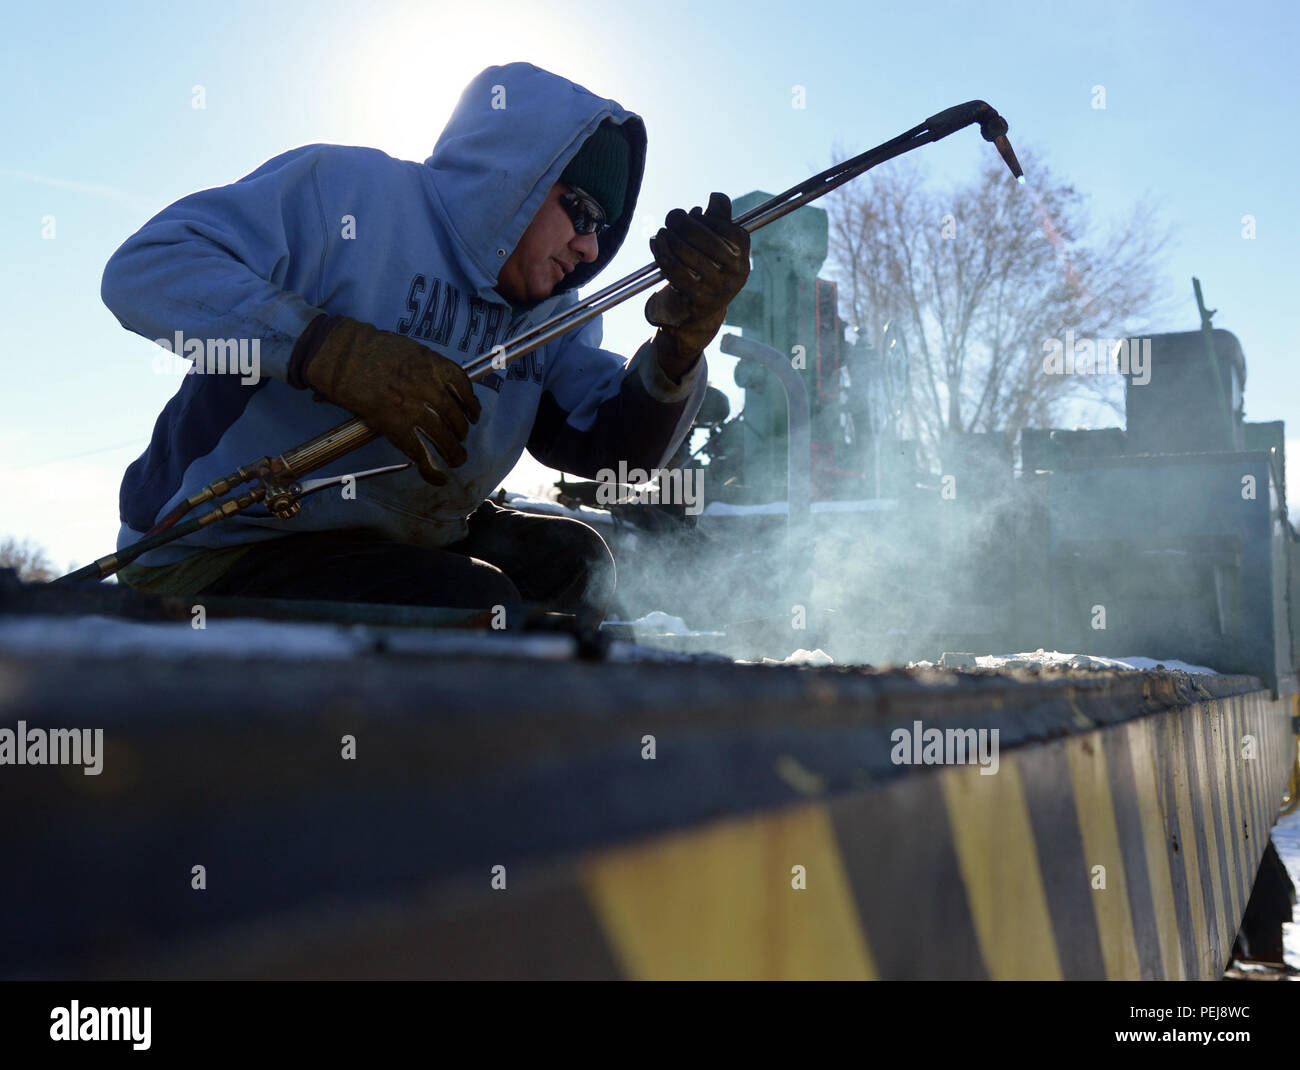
1183, 555
615, 864
117, 600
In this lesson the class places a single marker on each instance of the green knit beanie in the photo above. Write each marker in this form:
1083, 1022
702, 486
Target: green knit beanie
600, 168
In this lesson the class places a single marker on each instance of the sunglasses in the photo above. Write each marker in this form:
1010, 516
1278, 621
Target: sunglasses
587, 215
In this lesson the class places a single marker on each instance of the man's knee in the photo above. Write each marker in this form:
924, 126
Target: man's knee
576, 565
460, 583
492, 587
556, 561
598, 563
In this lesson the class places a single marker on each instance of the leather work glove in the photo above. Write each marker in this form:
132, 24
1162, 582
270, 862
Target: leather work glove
705, 258
405, 391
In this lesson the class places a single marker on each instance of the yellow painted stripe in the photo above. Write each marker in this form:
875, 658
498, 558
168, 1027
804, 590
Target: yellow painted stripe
1200, 715
1273, 797
1282, 712
1252, 767
718, 903
1227, 810
1181, 769
1232, 756
1218, 781
1222, 785
1259, 767
1275, 760
1231, 813
1243, 778
1256, 766
1259, 771
1096, 810
1155, 842
1237, 843
1000, 870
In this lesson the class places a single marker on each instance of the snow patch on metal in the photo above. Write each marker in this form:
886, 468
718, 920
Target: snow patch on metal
1055, 659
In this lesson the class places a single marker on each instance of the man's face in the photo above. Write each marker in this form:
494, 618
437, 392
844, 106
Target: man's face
549, 249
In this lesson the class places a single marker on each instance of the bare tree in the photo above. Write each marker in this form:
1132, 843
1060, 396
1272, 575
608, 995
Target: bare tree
980, 276
30, 561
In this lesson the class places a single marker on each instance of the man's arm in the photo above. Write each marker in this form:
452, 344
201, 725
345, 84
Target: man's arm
216, 264
598, 409
235, 263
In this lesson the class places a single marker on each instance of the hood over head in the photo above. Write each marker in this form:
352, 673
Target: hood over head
512, 134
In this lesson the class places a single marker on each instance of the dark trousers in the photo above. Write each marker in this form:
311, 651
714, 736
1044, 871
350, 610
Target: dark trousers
508, 557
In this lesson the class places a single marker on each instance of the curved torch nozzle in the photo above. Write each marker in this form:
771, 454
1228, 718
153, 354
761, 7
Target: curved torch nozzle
994, 128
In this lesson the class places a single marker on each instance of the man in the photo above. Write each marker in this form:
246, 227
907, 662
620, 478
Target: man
365, 283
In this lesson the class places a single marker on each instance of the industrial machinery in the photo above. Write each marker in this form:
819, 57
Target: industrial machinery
1168, 537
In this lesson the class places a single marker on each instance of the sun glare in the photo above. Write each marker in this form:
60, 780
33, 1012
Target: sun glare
412, 64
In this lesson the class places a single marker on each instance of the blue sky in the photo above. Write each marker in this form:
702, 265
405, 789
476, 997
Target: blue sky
100, 133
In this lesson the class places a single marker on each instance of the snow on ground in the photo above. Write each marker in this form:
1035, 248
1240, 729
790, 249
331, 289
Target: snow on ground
1055, 659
